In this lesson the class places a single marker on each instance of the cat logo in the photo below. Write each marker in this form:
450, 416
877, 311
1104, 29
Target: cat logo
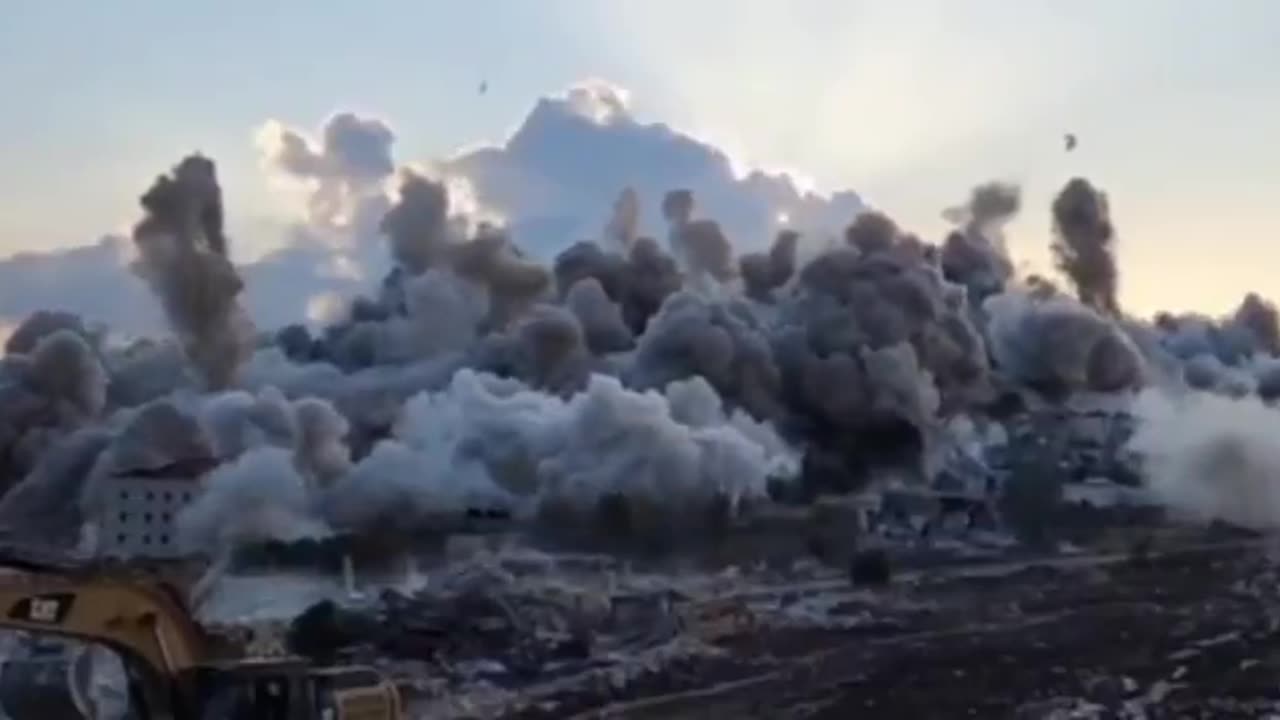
49, 609
44, 610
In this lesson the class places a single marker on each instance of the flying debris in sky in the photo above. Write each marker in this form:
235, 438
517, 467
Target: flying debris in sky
484, 86
1070, 141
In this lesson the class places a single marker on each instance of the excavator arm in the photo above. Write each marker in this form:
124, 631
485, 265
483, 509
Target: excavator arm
138, 620
143, 620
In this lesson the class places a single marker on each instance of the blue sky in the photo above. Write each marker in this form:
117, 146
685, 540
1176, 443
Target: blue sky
1176, 102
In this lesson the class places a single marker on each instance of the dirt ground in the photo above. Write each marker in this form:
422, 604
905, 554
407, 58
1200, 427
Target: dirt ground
1191, 634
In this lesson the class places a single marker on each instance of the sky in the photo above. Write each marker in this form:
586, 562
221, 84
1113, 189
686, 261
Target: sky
910, 103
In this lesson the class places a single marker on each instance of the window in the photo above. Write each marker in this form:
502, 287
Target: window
150, 496
146, 539
121, 538
124, 517
186, 497
164, 539
124, 495
166, 517
168, 496
146, 518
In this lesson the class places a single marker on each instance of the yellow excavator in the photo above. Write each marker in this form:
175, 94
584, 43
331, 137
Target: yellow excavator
175, 669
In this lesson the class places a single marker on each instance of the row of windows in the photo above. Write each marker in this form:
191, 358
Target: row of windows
147, 517
150, 496
121, 539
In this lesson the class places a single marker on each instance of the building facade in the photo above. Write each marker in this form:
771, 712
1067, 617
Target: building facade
139, 510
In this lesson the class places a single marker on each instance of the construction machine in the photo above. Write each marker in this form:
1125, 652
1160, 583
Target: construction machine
176, 670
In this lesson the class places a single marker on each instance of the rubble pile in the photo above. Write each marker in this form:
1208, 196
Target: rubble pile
1102, 637
504, 629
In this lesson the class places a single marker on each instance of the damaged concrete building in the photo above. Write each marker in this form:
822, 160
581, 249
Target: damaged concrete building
1085, 444
139, 506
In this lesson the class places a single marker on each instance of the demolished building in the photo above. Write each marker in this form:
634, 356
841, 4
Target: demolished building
140, 506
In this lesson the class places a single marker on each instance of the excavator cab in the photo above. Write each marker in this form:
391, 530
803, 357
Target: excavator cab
292, 690
254, 691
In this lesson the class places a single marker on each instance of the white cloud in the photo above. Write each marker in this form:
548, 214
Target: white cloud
553, 182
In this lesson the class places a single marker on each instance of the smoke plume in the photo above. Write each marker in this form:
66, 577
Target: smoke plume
764, 273
1058, 346
1084, 246
669, 384
975, 255
1209, 457
182, 254
698, 245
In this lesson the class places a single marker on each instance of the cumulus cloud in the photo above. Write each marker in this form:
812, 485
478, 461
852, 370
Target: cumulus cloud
558, 175
343, 168
554, 182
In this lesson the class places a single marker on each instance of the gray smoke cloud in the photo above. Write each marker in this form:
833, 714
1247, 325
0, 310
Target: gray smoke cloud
698, 245
627, 372
1233, 355
974, 255
546, 349
993, 203
1058, 346
320, 446
257, 497
158, 437
436, 313
654, 276
67, 371
483, 440
1084, 246
490, 260
239, 423
146, 370
603, 328
638, 283
182, 254
40, 325
422, 236
59, 387
887, 292
1209, 457
1259, 318
872, 232
873, 345
1268, 384
42, 509
763, 273
417, 226
623, 227
722, 343
159, 434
